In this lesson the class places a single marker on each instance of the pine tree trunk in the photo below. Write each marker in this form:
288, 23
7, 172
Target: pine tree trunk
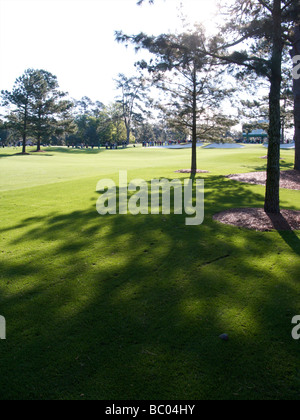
128, 130
24, 132
38, 147
24, 143
296, 90
194, 145
194, 129
272, 201
128, 135
194, 153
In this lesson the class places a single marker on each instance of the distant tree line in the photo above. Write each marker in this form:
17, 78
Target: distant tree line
37, 112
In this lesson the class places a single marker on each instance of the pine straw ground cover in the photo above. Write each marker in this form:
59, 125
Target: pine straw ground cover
188, 171
289, 179
257, 219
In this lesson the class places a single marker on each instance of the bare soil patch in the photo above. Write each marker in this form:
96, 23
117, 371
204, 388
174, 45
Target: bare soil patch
188, 171
257, 219
289, 179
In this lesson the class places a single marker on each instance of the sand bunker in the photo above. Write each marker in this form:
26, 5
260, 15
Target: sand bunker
179, 146
224, 146
284, 146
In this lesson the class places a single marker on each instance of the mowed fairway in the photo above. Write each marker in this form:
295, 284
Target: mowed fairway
132, 307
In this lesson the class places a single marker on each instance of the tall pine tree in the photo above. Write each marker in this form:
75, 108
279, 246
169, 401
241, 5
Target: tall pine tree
193, 88
20, 100
49, 110
263, 29
38, 107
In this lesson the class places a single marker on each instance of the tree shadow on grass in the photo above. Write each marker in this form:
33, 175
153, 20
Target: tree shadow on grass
65, 150
85, 151
131, 307
4, 155
262, 168
26, 154
290, 238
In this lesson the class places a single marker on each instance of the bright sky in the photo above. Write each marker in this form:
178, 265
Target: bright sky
74, 39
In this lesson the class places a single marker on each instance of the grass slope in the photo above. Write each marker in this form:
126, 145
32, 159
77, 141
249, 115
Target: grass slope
125, 307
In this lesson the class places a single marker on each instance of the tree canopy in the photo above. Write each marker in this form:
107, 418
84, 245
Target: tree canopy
254, 38
38, 108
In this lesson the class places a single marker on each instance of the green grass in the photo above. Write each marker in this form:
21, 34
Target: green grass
125, 307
